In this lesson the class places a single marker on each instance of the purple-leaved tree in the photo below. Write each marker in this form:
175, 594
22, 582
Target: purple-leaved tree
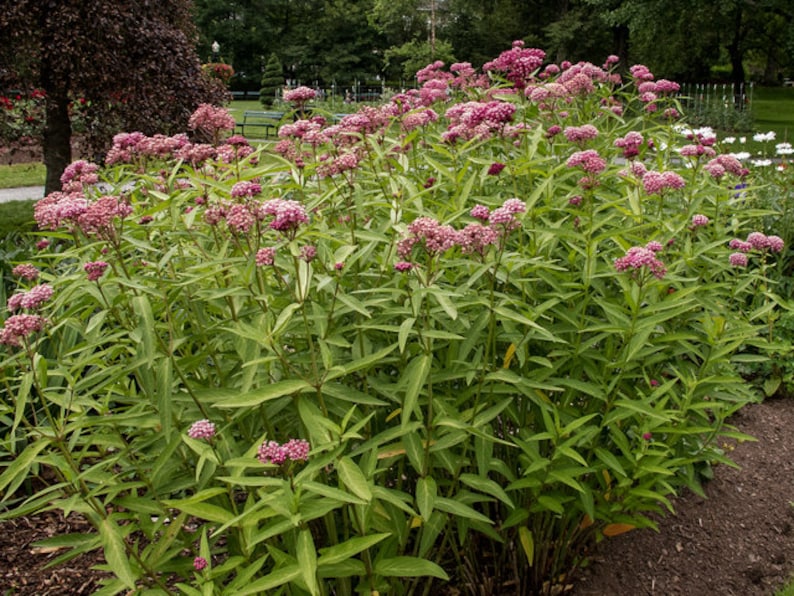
132, 65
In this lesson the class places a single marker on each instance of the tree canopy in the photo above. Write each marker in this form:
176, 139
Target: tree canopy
133, 63
326, 41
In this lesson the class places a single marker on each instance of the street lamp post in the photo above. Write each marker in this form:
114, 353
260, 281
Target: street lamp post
216, 51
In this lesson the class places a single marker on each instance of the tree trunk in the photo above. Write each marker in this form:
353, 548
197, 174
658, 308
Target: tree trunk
620, 45
57, 140
736, 54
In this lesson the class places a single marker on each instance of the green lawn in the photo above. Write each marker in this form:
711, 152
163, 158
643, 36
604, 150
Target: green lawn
25, 174
773, 109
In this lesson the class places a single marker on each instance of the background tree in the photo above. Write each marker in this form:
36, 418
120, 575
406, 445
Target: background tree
133, 63
272, 81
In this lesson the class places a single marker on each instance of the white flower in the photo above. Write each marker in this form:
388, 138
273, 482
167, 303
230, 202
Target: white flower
784, 149
742, 140
761, 163
729, 140
741, 155
762, 137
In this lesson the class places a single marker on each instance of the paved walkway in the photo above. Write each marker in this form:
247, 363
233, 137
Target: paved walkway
21, 194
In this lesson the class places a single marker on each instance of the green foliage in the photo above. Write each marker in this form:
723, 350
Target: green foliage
415, 55
523, 397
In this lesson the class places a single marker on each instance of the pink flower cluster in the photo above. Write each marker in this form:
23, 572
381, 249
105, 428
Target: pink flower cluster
589, 160
32, 299
58, 209
99, 215
26, 271
725, 164
738, 259
78, 175
130, 147
246, 188
199, 563
18, 327
287, 214
307, 130
656, 183
95, 269
265, 257
270, 452
639, 257
418, 118
518, 64
343, 162
630, 144
300, 95
211, 119
496, 168
436, 238
474, 119
580, 134
699, 220
758, 241
201, 429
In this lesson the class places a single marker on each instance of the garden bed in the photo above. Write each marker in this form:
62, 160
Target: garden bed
737, 541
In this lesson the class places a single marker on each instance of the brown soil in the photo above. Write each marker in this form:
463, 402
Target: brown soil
739, 541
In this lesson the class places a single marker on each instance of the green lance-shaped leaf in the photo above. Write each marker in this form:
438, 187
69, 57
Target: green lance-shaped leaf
307, 559
416, 372
259, 396
426, 491
353, 478
277, 578
115, 555
409, 567
527, 543
347, 549
16, 473
145, 331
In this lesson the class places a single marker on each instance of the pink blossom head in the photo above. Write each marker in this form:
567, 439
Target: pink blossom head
580, 134
496, 168
699, 220
639, 258
19, 327
270, 452
246, 189
758, 240
738, 259
518, 64
480, 212
300, 95
26, 271
211, 119
287, 215
199, 563
33, 299
201, 429
79, 174
775, 243
95, 269
403, 266
590, 161
265, 256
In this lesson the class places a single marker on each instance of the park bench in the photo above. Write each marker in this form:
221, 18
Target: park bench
268, 121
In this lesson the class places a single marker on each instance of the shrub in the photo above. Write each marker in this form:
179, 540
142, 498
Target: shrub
272, 81
461, 336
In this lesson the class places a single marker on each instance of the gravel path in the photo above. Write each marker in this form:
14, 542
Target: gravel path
21, 194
